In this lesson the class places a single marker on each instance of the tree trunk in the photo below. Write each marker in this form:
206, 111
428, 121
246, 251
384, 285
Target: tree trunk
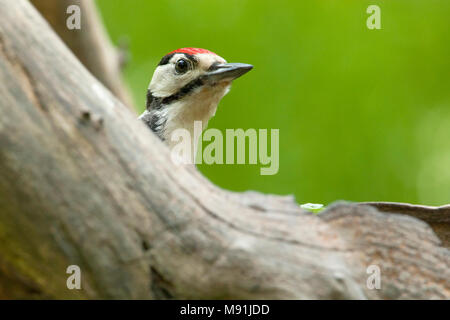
90, 44
82, 182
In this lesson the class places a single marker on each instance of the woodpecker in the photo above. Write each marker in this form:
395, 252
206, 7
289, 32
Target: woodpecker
187, 86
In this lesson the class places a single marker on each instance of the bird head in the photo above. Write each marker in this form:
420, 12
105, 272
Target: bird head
187, 86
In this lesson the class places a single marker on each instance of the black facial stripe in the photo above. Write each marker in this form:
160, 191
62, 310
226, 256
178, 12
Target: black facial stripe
153, 102
184, 91
156, 103
167, 57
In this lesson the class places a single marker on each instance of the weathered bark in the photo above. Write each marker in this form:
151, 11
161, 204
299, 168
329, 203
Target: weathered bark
90, 44
83, 182
437, 217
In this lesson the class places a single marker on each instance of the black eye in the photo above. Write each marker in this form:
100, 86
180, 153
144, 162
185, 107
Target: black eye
181, 66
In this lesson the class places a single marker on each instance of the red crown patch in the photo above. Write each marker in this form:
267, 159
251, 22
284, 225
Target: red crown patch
192, 51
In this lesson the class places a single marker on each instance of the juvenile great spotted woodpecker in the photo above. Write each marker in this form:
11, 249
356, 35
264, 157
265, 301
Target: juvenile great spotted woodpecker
187, 86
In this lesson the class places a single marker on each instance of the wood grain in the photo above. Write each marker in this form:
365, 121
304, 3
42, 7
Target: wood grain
83, 182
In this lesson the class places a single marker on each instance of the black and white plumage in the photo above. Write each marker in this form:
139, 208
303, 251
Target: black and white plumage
187, 86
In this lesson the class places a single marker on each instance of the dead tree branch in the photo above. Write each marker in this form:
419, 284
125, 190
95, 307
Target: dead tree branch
437, 217
90, 44
82, 182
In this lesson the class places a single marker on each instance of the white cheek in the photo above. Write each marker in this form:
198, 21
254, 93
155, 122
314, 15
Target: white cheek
162, 83
166, 82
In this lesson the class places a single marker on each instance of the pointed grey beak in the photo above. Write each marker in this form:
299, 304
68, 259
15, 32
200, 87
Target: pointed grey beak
227, 71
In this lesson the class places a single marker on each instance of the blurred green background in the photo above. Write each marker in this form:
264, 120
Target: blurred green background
364, 115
